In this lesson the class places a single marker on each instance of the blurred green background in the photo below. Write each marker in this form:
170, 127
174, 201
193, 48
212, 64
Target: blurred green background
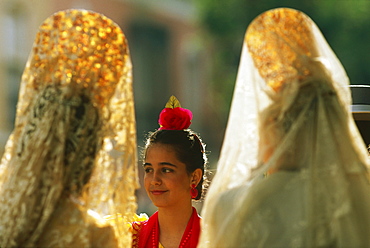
344, 23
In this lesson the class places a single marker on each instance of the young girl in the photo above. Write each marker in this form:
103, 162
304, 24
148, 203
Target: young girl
174, 164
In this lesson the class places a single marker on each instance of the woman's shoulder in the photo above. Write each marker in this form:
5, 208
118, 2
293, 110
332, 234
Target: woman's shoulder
103, 236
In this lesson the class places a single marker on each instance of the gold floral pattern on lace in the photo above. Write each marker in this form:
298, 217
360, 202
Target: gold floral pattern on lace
87, 50
275, 48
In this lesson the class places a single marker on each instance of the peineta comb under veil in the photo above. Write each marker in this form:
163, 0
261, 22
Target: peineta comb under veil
71, 158
293, 170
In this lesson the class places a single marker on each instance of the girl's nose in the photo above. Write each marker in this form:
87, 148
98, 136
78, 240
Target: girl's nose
156, 180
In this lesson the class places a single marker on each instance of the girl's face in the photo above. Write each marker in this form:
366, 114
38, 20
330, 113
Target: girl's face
166, 180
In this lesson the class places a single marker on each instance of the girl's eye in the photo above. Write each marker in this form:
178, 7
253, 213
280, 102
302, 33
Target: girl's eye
167, 170
148, 170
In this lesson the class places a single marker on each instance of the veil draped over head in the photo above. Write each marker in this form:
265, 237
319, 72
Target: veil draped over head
293, 170
74, 134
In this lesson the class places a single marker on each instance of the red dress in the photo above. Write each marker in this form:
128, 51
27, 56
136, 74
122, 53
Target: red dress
146, 233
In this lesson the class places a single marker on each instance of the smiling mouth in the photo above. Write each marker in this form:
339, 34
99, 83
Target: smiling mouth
158, 192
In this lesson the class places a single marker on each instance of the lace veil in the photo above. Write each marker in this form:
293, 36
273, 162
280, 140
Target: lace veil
74, 133
290, 113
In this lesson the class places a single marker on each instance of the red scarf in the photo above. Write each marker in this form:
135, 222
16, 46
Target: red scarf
146, 233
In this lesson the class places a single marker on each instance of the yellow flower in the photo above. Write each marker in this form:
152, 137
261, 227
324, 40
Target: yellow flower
141, 217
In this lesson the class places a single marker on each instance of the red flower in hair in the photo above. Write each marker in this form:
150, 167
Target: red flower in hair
175, 118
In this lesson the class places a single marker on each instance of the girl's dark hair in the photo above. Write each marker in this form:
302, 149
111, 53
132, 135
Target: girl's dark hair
188, 147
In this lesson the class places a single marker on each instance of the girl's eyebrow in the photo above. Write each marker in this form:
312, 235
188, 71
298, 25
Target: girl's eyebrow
161, 163
168, 164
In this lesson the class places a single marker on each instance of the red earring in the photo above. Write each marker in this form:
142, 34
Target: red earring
193, 191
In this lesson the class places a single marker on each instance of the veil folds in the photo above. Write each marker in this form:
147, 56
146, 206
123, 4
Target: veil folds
74, 133
293, 163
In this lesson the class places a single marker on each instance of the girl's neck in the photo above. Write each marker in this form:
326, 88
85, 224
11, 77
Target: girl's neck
172, 225
170, 216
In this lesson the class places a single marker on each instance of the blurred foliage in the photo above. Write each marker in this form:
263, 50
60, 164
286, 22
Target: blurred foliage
344, 23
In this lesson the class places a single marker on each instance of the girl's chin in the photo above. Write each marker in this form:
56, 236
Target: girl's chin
160, 205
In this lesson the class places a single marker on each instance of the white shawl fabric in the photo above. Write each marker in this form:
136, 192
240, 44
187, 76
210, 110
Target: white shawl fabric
293, 170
